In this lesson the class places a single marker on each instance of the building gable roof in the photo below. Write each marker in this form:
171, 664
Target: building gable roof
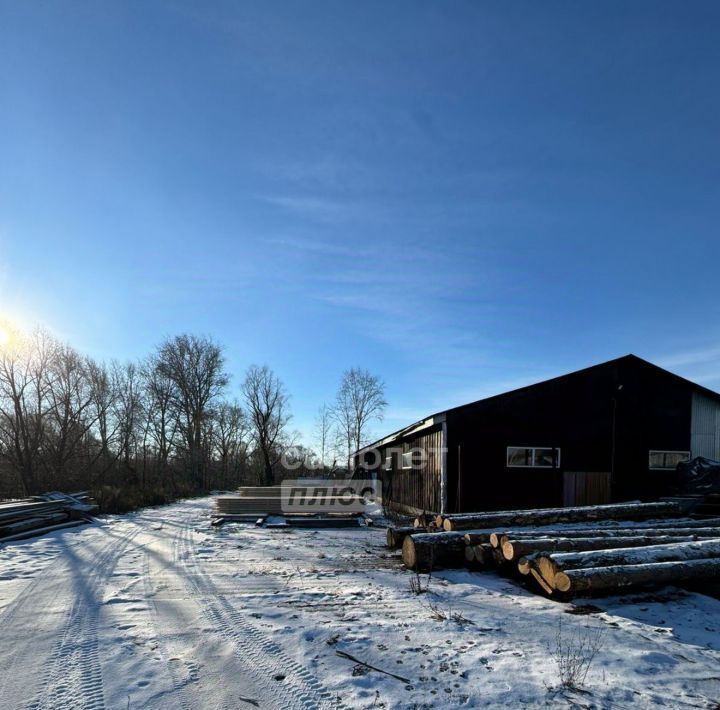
632, 360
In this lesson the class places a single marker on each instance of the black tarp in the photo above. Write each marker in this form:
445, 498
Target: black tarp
700, 475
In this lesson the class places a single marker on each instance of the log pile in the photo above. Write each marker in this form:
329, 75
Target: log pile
545, 516
563, 552
29, 517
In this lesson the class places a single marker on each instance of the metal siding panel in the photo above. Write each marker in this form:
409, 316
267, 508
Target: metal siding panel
705, 427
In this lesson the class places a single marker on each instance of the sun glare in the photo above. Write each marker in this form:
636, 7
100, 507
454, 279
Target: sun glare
9, 333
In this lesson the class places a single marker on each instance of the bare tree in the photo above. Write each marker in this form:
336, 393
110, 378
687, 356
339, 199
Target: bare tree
160, 427
327, 437
70, 415
267, 405
127, 409
230, 429
301, 460
23, 403
134, 433
103, 452
360, 400
195, 367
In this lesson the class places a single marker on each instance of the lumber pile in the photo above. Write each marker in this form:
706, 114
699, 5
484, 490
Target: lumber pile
249, 505
260, 492
562, 552
265, 506
29, 517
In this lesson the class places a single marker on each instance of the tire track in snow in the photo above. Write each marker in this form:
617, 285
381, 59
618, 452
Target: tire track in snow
73, 675
264, 660
179, 690
29, 592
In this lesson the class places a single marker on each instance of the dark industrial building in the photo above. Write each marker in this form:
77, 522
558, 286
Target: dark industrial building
611, 432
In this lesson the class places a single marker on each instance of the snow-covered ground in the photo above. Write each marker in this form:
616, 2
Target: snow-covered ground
158, 610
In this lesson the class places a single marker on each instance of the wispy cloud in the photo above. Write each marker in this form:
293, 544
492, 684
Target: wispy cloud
322, 209
325, 248
325, 172
692, 357
702, 365
710, 379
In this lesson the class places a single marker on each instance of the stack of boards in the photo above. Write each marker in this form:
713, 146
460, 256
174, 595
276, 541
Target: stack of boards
563, 552
263, 506
29, 517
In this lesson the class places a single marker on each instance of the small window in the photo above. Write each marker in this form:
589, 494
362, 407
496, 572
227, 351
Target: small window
667, 460
544, 458
533, 457
517, 456
407, 461
388, 463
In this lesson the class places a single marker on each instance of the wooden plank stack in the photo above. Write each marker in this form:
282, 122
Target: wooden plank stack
563, 552
29, 517
263, 506
249, 505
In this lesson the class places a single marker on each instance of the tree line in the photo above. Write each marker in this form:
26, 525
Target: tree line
150, 431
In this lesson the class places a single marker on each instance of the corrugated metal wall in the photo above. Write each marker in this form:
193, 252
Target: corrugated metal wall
705, 427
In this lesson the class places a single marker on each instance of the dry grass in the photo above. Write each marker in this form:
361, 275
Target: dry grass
574, 653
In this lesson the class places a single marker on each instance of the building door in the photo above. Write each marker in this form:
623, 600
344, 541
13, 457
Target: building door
586, 488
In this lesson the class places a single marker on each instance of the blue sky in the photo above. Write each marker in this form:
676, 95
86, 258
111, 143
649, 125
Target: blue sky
462, 197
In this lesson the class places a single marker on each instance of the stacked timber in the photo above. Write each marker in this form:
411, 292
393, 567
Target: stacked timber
267, 505
544, 516
247, 505
29, 517
595, 570
259, 491
568, 551
513, 550
620, 577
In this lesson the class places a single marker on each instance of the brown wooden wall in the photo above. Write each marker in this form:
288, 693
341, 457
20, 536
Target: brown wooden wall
586, 488
416, 489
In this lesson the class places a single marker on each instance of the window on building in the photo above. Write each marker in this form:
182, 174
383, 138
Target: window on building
407, 461
533, 457
388, 463
667, 460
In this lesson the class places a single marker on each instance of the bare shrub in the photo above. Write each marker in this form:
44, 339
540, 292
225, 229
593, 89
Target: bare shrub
440, 614
419, 583
575, 652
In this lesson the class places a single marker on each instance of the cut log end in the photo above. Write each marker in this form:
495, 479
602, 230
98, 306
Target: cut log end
409, 557
546, 568
524, 566
396, 536
562, 582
